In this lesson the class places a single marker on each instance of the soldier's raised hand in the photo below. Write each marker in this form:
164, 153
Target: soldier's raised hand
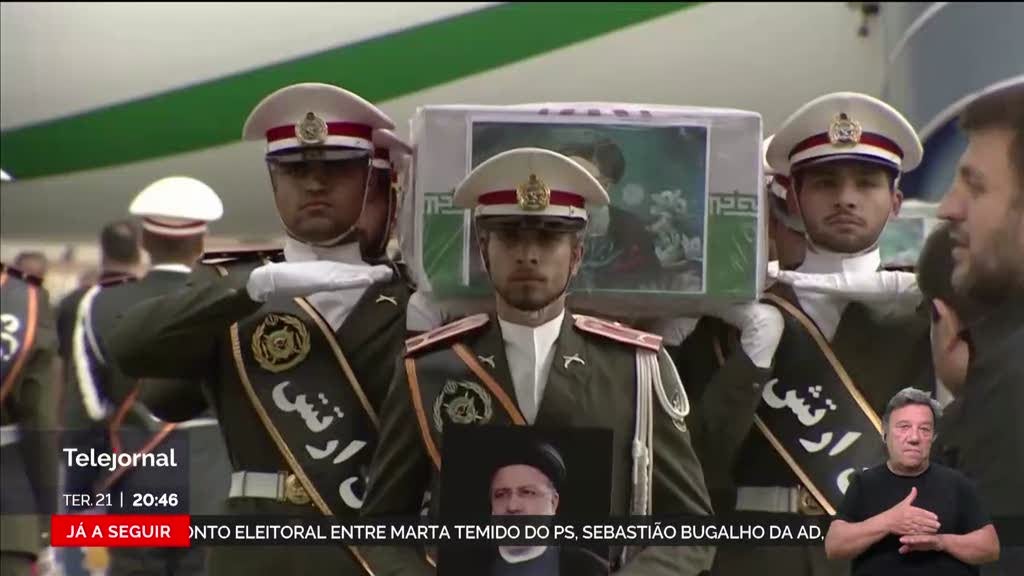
905, 519
866, 287
292, 279
760, 326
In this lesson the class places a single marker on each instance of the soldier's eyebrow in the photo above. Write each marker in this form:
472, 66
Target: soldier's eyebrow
971, 175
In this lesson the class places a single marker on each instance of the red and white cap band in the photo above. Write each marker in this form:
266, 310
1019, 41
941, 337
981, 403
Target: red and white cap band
173, 226
506, 203
869, 145
339, 134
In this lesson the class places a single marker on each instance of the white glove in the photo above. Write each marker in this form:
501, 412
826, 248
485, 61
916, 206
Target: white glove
292, 279
760, 326
674, 330
864, 287
885, 292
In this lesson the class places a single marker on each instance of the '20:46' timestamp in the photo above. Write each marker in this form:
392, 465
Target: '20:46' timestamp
133, 500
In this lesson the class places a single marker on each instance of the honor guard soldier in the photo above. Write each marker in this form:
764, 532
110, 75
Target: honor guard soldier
297, 353
175, 212
843, 352
785, 230
537, 363
380, 215
29, 392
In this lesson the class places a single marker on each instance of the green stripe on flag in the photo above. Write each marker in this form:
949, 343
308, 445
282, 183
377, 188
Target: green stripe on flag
379, 69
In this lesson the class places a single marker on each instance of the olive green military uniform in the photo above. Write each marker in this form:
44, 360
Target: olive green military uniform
882, 356
28, 415
724, 390
204, 477
597, 389
188, 335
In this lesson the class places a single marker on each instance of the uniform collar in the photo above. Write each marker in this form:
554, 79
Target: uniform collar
295, 251
821, 261
546, 331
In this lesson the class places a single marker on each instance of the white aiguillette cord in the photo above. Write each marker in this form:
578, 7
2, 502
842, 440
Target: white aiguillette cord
643, 445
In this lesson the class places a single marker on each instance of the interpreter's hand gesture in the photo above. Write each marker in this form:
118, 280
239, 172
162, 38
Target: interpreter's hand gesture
905, 519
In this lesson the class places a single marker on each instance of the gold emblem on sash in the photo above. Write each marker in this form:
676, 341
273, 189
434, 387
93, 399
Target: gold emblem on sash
533, 195
462, 402
280, 342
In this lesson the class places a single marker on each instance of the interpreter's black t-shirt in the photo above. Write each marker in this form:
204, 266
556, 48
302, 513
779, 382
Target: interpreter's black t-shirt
940, 490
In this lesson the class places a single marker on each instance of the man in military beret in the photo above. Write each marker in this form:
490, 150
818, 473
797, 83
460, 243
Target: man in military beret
536, 363
174, 214
29, 392
296, 352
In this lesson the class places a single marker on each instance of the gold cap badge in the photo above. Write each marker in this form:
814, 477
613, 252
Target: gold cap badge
844, 131
311, 130
533, 195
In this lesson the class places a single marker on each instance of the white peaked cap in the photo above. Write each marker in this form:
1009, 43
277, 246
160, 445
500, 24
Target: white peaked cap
312, 115
845, 126
531, 182
387, 148
177, 206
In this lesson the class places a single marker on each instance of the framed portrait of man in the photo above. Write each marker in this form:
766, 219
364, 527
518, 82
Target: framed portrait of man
496, 475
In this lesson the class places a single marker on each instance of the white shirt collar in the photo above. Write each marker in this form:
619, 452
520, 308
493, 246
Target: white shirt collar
546, 331
827, 309
821, 261
529, 351
171, 268
295, 251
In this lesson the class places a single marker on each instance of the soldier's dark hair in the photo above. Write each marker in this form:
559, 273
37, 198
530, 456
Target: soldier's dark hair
1003, 108
177, 249
119, 242
935, 275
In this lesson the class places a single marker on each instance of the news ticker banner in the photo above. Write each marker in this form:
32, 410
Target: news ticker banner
138, 530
